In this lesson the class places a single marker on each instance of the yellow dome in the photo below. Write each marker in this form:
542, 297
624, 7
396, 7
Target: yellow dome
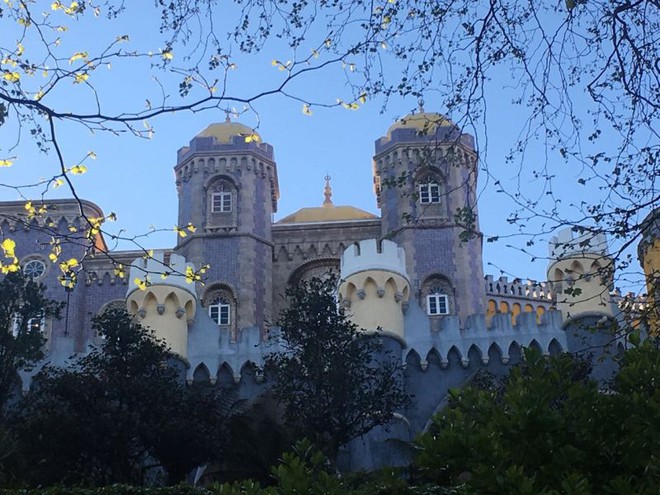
225, 131
326, 213
423, 123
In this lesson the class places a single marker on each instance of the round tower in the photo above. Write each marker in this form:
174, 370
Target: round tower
228, 190
167, 304
581, 271
425, 179
648, 252
374, 287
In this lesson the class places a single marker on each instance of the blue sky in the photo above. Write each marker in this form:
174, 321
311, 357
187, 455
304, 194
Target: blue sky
133, 177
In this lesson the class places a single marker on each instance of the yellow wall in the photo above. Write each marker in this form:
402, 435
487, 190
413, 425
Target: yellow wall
651, 267
375, 310
156, 308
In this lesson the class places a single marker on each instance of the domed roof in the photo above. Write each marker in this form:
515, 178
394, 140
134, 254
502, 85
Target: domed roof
322, 214
422, 122
328, 212
223, 132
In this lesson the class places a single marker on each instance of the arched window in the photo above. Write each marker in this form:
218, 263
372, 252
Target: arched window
221, 199
220, 311
438, 295
429, 191
221, 204
437, 303
220, 303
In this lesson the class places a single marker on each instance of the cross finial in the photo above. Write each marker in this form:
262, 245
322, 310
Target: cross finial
327, 192
227, 116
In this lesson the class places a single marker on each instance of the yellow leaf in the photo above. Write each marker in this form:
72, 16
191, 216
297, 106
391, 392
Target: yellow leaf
274, 63
6, 163
8, 246
167, 55
78, 56
56, 5
52, 257
58, 183
252, 138
19, 49
140, 283
80, 77
363, 98
181, 232
78, 169
306, 110
191, 228
72, 228
11, 76
28, 206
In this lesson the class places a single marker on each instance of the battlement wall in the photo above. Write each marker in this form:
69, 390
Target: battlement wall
569, 243
370, 255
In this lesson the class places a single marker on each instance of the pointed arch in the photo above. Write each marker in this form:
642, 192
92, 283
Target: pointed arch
554, 348
495, 352
413, 359
201, 374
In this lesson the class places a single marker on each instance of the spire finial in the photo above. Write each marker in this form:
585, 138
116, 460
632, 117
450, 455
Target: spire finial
327, 192
227, 116
420, 102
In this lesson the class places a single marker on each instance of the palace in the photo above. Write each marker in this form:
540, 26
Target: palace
414, 273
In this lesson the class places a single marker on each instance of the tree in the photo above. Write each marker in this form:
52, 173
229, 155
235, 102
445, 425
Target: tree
24, 311
334, 381
548, 429
117, 412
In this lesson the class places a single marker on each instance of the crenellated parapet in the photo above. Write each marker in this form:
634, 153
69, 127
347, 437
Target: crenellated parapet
581, 272
479, 341
167, 303
516, 296
374, 287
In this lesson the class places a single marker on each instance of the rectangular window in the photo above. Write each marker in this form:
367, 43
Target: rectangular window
221, 202
220, 313
437, 304
33, 325
429, 193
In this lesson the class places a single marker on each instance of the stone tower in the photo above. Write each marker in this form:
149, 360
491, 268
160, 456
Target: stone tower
581, 271
425, 179
648, 252
168, 304
374, 287
228, 190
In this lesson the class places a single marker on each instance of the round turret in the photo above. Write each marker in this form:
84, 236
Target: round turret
581, 272
167, 304
375, 287
648, 252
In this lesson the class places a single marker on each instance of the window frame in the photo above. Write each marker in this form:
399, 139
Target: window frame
35, 261
437, 298
225, 203
429, 193
220, 320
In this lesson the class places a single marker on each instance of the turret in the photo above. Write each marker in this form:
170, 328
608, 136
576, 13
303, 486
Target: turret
581, 271
375, 287
648, 252
227, 185
425, 179
167, 304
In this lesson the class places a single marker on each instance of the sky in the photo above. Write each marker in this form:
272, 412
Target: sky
133, 177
